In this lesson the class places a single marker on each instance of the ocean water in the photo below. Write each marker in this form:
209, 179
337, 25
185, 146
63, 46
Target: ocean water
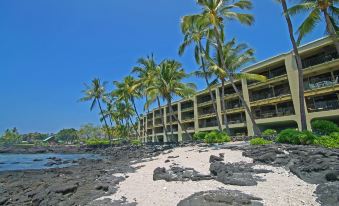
9, 162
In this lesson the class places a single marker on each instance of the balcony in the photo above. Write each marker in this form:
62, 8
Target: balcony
270, 74
233, 104
185, 106
211, 122
205, 99
235, 118
274, 91
319, 59
324, 106
320, 83
188, 126
274, 113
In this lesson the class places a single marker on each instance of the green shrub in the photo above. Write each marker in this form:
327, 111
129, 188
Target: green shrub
269, 132
324, 127
293, 136
97, 142
259, 141
200, 135
216, 137
331, 141
136, 142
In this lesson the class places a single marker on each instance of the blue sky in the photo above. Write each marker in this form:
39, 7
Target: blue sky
49, 48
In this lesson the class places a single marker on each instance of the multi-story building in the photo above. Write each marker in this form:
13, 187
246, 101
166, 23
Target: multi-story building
274, 103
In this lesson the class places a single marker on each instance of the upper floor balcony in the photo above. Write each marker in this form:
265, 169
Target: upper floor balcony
187, 105
271, 92
187, 116
269, 111
270, 74
320, 81
236, 118
205, 99
326, 55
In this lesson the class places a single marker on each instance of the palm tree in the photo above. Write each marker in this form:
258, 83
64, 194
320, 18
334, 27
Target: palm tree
96, 93
315, 9
146, 72
236, 56
127, 90
299, 66
169, 84
194, 31
214, 12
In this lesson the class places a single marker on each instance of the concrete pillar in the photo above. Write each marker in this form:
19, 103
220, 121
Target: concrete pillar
165, 121
179, 118
196, 120
246, 96
292, 76
153, 129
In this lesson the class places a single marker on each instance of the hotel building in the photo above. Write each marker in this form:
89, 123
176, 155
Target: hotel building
274, 103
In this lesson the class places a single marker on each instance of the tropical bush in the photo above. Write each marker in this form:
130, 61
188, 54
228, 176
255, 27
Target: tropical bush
136, 142
216, 137
97, 142
324, 127
331, 141
269, 132
259, 141
200, 135
293, 136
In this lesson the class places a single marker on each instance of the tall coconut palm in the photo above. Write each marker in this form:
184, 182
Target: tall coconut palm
299, 66
215, 12
127, 90
194, 31
147, 73
170, 75
316, 11
236, 56
95, 93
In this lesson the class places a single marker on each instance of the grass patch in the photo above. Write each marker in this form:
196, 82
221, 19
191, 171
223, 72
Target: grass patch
260, 141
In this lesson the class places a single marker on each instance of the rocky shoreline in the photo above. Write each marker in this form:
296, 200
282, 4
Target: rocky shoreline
92, 179
75, 185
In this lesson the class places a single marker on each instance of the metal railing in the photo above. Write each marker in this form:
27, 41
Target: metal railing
273, 113
321, 82
324, 106
308, 62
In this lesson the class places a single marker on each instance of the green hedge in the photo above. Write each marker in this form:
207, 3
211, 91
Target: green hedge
200, 135
324, 127
330, 141
97, 142
259, 141
217, 137
136, 142
293, 136
269, 132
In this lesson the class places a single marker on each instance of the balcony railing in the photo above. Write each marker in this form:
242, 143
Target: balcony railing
208, 124
187, 117
274, 113
321, 82
236, 121
277, 93
324, 106
319, 59
206, 112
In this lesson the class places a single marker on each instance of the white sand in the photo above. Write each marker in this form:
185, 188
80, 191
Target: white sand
279, 188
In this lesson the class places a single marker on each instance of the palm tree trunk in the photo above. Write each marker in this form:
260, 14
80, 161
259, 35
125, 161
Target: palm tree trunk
135, 108
209, 89
107, 128
331, 30
136, 131
162, 117
223, 107
169, 103
256, 129
299, 66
